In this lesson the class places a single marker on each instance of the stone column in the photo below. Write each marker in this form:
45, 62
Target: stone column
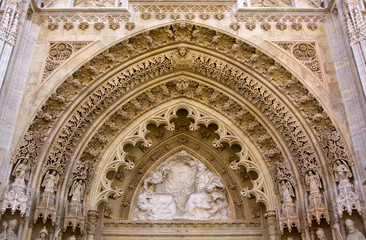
272, 224
91, 226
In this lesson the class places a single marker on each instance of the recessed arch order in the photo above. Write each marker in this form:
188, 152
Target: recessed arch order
275, 117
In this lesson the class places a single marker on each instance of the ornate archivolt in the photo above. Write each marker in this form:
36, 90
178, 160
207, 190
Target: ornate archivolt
116, 156
269, 104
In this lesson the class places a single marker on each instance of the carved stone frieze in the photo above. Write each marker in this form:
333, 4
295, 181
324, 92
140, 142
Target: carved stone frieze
280, 21
185, 11
307, 53
200, 36
77, 19
58, 53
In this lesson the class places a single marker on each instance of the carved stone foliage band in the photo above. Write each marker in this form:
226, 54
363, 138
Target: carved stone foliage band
186, 11
58, 53
280, 22
104, 18
306, 53
247, 86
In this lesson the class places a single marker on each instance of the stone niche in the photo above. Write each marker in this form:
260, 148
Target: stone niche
182, 188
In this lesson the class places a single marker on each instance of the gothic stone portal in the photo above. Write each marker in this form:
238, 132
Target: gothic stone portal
182, 188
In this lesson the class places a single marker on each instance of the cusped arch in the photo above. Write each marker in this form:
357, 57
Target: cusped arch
276, 96
248, 156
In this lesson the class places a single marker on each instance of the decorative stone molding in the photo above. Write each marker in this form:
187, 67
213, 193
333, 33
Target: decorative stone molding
17, 198
269, 3
58, 53
280, 21
307, 53
356, 24
186, 11
91, 227
166, 144
10, 21
77, 19
347, 198
164, 117
175, 224
271, 106
94, 3
272, 224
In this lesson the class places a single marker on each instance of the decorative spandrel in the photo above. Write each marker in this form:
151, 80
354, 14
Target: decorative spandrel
182, 188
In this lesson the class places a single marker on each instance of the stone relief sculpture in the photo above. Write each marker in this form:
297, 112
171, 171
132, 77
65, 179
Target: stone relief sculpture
9, 227
354, 233
347, 198
313, 182
50, 182
317, 207
47, 205
182, 188
77, 191
75, 213
17, 197
320, 234
288, 217
43, 234
21, 172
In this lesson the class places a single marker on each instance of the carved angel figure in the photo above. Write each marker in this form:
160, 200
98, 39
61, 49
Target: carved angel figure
286, 191
342, 173
77, 191
354, 233
50, 181
8, 233
313, 181
21, 171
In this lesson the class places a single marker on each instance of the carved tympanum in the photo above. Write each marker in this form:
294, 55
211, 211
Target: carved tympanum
182, 188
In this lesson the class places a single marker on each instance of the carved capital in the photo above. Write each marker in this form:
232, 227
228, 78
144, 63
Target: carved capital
272, 224
93, 217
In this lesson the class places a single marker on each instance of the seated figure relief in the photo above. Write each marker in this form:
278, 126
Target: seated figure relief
182, 188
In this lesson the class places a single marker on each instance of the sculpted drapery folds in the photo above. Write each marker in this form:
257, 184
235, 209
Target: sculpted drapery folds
255, 88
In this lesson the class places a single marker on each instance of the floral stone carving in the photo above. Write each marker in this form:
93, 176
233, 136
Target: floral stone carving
58, 53
306, 53
182, 188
